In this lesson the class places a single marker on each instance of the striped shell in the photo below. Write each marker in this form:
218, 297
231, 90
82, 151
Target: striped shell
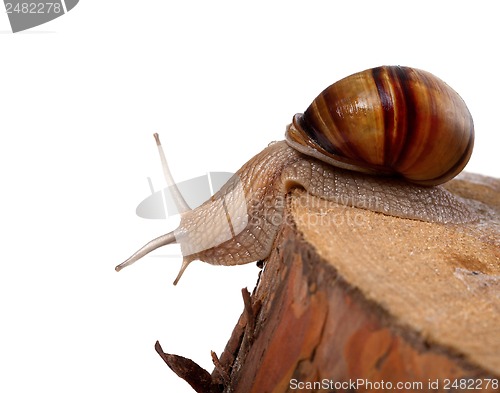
389, 120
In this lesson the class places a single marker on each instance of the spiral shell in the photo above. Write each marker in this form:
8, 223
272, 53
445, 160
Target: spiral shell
388, 120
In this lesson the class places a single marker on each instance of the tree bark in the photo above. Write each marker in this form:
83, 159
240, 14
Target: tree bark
351, 300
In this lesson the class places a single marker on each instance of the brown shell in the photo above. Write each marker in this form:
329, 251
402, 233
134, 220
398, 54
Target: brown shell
388, 120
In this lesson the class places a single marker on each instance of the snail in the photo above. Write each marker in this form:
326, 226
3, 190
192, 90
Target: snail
383, 139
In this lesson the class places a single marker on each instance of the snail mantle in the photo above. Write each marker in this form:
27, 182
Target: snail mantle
349, 293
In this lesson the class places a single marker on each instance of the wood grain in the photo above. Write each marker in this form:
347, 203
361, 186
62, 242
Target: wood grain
350, 294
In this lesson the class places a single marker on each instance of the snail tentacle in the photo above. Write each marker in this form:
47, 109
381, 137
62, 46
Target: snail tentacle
160, 241
185, 264
180, 202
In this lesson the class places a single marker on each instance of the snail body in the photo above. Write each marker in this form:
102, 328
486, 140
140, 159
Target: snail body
396, 110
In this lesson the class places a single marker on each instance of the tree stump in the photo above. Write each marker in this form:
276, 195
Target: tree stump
352, 300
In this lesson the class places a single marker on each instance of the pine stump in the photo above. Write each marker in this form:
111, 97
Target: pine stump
352, 300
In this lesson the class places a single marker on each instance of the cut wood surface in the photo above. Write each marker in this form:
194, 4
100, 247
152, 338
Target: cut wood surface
349, 295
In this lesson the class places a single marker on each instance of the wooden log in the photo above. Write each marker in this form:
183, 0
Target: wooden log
352, 300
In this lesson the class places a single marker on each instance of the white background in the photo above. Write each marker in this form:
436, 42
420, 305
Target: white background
80, 98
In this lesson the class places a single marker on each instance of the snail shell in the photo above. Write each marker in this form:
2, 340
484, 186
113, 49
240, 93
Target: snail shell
389, 120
